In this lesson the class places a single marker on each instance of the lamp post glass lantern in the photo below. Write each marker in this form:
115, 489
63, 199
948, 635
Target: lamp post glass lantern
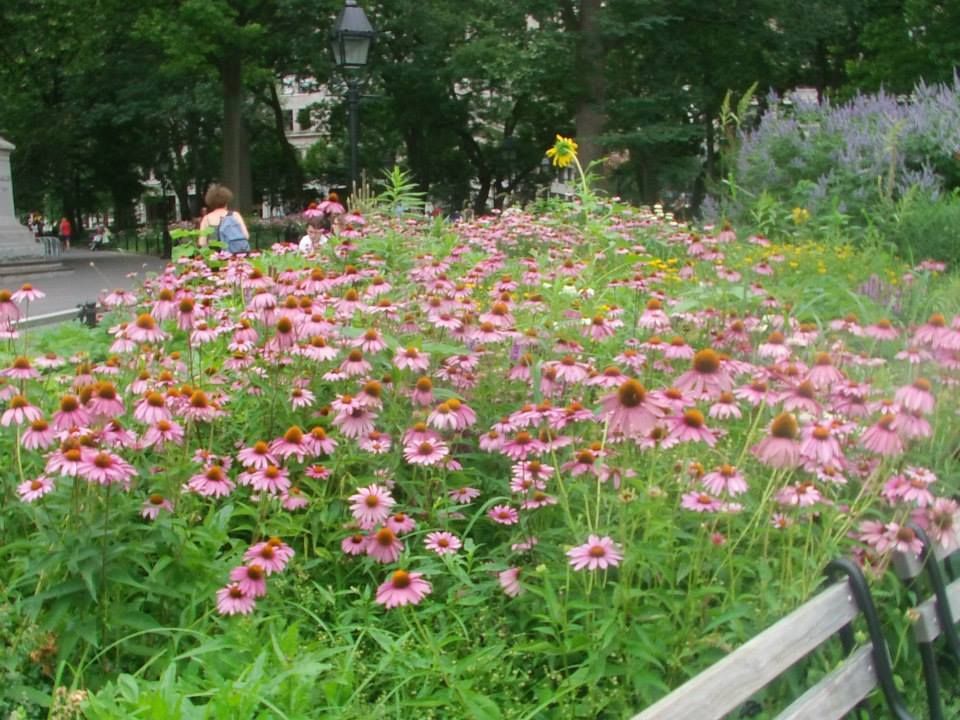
350, 41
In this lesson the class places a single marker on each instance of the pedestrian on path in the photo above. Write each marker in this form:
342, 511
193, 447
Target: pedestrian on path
66, 232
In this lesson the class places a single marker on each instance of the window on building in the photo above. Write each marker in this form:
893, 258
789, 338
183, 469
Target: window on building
288, 120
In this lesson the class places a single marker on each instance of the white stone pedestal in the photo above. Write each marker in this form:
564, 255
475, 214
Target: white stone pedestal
16, 241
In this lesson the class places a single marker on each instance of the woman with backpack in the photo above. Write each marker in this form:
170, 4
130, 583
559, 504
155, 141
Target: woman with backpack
227, 225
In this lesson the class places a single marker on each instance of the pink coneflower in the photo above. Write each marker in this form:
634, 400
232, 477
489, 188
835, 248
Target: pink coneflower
200, 409
874, 534
50, 361
823, 375
504, 515
371, 505
19, 411
939, 521
371, 342
356, 422
9, 312
66, 459
521, 445
293, 499
882, 330
162, 432
628, 411
775, 347
376, 442
151, 408
258, 456
596, 553
425, 453
820, 447
211, 482
700, 502
443, 418
916, 397
903, 539
384, 546
291, 443
610, 377
509, 580
119, 297
355, 364
355, 544
145, 330
690, 427
31, 490
251, 578
707, 378
780, 448
802, 494
318, 350
234, 600
401, 523
105, 403
301, 398
538, 499
319, 443
270, 479
423, 391
465, 416
403, 588
725, 407
584, 461
105, 468
725, 479
678, 349
21, 369
568, 370
525, 545
442, 543
38, 436
529, 474
464, 495
27, 293
154, 505
882, 438
801, 398
933, 334
272, 555
653, 317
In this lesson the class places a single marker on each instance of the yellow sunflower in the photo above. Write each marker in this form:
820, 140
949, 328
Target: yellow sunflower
563, 152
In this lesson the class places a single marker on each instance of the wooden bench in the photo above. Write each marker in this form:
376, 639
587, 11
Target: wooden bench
934, 617
729, 683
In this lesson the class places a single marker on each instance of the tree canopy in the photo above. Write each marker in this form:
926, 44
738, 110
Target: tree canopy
466, 94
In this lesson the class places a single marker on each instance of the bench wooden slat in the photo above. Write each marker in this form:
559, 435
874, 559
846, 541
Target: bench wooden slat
839, 692
727, 684
927, 627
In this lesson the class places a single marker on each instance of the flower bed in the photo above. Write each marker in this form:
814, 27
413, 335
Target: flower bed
525, 466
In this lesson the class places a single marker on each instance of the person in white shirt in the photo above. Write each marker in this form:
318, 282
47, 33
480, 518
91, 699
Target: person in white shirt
316, 237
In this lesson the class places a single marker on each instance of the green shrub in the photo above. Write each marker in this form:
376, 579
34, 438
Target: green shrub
925, 229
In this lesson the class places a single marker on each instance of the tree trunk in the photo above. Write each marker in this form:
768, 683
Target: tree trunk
590, 116
236, 142
295, 178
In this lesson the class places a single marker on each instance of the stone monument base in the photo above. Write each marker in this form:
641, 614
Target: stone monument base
16, 241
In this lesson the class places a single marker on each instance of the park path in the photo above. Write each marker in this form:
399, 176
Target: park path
84, 277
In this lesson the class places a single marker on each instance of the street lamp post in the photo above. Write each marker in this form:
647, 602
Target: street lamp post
350, 39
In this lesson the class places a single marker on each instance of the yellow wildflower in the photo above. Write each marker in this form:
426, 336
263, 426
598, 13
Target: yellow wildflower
563, 152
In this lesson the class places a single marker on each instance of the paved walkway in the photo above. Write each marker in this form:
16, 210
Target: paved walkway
87, 274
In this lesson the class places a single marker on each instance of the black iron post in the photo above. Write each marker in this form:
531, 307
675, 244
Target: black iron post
353, 101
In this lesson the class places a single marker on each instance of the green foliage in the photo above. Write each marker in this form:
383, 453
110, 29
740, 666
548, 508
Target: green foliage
924, 229
400, 194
